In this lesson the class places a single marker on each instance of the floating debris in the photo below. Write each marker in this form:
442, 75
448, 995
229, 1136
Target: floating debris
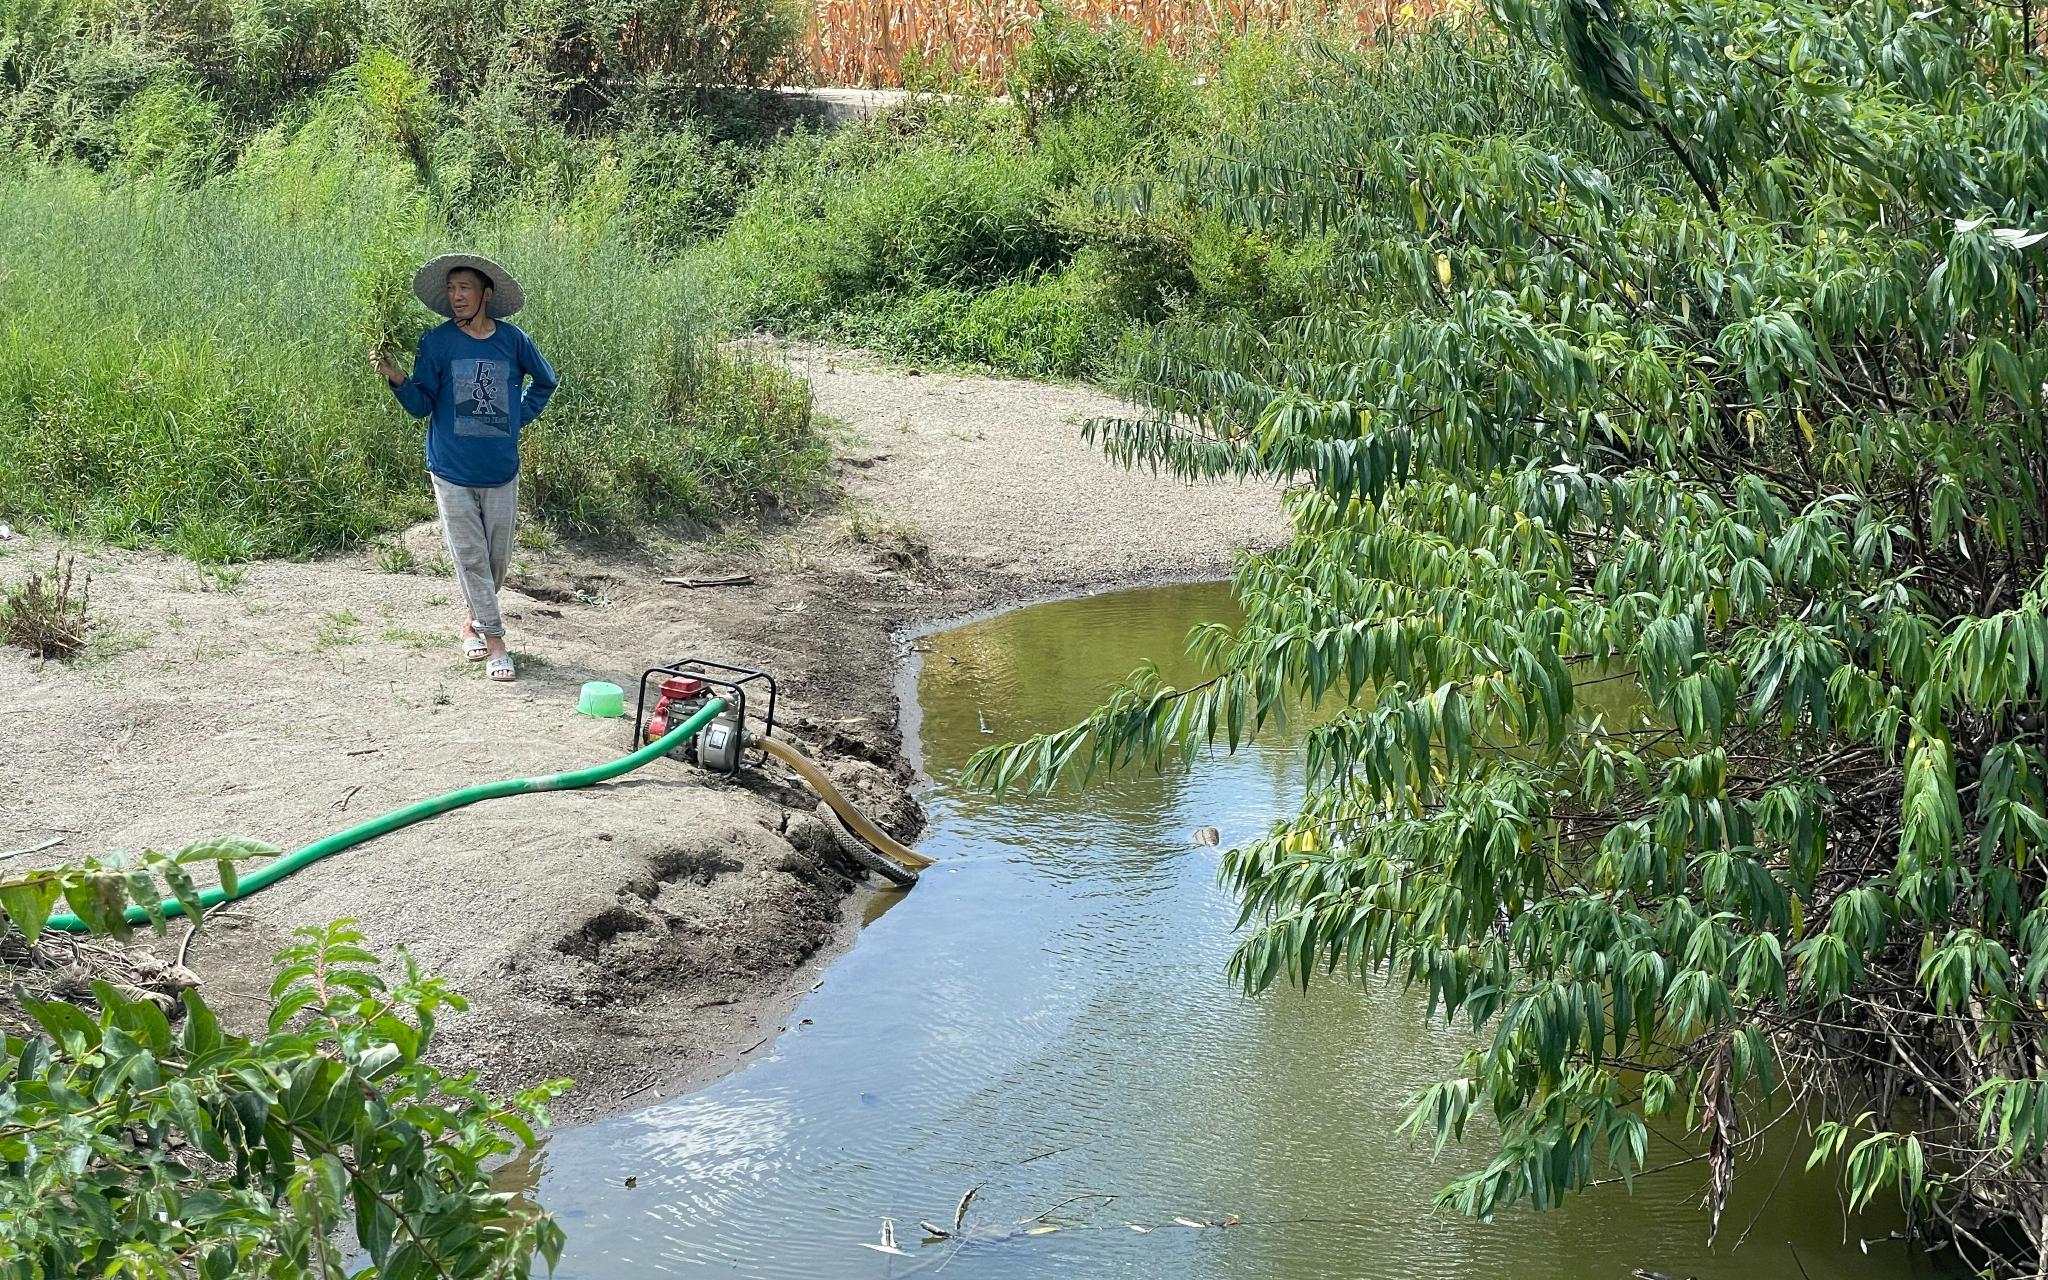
888, 1242
1190, 1222
1206, 837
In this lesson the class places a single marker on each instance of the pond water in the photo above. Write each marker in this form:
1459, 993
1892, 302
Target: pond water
1046, 1018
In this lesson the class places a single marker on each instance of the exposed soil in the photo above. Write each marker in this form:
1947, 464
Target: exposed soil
641, 937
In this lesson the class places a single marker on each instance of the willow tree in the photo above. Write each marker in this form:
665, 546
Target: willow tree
1693, 351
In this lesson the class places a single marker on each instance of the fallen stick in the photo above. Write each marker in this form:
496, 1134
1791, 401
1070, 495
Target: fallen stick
643, 1087
51, 843
731, 580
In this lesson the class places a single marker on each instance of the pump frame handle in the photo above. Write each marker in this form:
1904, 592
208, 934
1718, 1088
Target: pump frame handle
734, 691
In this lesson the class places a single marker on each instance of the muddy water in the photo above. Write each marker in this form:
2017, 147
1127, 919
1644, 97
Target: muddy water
1046, 1019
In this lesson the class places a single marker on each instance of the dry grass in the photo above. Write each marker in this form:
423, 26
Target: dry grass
44, 616
874, 42
61, 966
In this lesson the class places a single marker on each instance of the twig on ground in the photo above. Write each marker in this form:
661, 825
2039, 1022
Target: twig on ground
641, 1088
52, 842
731, 580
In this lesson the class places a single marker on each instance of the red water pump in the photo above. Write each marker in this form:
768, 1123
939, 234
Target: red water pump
683, 690
681, 697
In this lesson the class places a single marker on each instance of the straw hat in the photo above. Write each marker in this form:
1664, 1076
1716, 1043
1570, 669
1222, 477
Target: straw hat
430, 285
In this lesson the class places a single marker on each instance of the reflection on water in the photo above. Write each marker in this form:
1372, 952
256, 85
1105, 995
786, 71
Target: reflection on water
1045, 1017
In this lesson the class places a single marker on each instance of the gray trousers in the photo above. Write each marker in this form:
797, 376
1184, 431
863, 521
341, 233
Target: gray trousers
479, 524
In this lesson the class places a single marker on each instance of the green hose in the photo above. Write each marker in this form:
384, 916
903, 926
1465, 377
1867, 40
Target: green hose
272, 872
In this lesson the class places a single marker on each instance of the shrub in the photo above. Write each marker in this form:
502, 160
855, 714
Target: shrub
1096, 99
146, 1139
399, 109
808, 246
1719, 374
644, 53
278, 49
678, 185
171, 130
716, 433
44, 616
1061, 325
508, 146
78, 85
1071, 65
35, 37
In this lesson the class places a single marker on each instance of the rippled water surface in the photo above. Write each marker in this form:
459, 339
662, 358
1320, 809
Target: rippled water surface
1046, 1017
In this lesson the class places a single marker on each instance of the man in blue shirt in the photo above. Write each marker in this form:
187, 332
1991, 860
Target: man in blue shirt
477, 380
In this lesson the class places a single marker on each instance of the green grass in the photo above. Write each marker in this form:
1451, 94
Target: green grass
396, 557
187, 368
337, 630
221, 578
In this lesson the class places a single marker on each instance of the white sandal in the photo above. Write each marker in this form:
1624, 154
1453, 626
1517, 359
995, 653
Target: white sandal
473, 646
500, 669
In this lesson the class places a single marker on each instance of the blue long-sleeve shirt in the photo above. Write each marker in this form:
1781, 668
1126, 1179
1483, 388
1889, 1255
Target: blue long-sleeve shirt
473, 393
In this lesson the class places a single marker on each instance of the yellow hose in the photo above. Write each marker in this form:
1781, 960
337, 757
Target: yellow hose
851, 816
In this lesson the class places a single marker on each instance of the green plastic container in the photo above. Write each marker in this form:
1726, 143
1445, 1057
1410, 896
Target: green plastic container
602, 698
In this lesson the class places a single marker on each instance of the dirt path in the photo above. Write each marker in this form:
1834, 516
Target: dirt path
641, 937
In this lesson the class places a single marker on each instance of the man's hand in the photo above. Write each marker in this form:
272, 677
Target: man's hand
380, 360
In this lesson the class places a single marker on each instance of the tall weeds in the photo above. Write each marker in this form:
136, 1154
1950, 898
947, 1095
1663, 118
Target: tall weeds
190, 368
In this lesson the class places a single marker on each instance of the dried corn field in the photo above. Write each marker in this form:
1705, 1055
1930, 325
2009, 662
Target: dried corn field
873, 42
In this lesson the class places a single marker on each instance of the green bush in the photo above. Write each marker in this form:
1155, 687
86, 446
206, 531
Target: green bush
171, 130
1071, 66
827, 240
506, 68
34, 35
642, 53
397, 102
277, 49
679, 186
1097, 100
1060, 325
146, 1139
77, 88
507, 146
